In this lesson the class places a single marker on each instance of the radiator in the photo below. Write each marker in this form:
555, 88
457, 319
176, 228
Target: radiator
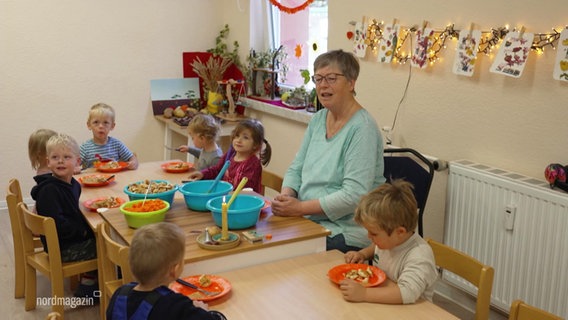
516, 224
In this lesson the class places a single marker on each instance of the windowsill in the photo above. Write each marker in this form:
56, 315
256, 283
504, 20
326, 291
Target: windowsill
300, 115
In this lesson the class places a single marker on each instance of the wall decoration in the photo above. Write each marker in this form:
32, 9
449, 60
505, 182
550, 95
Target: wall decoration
466, 53
561, 64
430, 45
290, 9
424, 39
359, 46
513, 54
388, 43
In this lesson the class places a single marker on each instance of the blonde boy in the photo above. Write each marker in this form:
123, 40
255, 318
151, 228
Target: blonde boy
101, 122
389, 213
57, 196
203, 130
156, 259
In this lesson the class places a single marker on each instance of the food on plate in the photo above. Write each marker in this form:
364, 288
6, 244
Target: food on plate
213, 230
147, 206
109, 202
151, 186
204, 281
360, 275
94, 179
178, 166
109, 165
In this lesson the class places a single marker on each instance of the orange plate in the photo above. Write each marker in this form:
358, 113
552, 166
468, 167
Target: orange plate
337, 273
96, 184
121, 166
217, 284
167, 167
89, 203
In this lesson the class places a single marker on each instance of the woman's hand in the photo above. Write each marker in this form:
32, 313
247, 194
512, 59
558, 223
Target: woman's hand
286, 206
354, 257
195, 175
352, 290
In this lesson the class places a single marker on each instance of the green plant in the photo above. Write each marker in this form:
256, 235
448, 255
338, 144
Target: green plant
222, 49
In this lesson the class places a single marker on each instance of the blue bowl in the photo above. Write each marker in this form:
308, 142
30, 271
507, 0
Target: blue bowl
166, 196
242, 214
196, 196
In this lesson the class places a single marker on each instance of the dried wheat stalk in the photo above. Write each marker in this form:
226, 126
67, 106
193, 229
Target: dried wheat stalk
212, 71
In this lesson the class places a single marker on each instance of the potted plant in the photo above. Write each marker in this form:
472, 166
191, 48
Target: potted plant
265, 69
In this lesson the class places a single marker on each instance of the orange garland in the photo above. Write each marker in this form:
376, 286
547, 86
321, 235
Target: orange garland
291, 10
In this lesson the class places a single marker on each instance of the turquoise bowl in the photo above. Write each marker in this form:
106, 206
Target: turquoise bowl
242, 214
196, 196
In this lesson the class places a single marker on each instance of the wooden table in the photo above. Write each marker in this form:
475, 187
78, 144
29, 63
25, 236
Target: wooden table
290, 236
298, 288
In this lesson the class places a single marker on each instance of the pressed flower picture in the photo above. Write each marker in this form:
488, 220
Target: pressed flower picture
423, 43
387, 45
466, 53
561, 64
359, 45
513, 54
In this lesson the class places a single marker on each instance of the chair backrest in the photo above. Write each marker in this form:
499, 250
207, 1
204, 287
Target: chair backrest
522, 311
412, 166
13, 197
470, 269
34, 224
111, 255
271, 180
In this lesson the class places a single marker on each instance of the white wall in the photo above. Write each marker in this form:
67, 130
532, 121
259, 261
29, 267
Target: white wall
515, 124
57, 58
60, 57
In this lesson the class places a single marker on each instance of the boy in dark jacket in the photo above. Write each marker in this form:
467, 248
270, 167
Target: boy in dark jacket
57, 196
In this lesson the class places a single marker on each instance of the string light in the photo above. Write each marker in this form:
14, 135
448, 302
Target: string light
489, 40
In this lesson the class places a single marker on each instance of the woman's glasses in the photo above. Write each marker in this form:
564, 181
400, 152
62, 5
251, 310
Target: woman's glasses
329, 78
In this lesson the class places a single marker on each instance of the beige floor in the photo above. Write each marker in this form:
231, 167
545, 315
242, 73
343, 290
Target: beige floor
11, 308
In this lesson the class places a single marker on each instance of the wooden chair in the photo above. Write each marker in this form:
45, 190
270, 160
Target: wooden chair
48, 264
54, 316
523, 311
110, 256
13, 197
271, 180
412, 166
470, 269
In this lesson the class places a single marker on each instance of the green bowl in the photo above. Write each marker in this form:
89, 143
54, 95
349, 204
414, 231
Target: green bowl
139, 219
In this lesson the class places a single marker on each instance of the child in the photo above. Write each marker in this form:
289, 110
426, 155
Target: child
247, 137
389, 213
36, 149
101, 122
203, 130
156, 259
57, 196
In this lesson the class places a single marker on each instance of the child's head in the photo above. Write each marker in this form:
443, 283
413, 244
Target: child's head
101, 121
203, 128
388, 207
253, 129
156, 253
36, 147
62, 155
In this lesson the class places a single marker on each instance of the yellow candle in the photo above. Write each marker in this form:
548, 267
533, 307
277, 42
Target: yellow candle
224, 222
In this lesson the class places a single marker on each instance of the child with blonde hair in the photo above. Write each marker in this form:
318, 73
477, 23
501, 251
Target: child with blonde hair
36, 149
156, 259
389, 213
57, 196
101, 123
246, 156
203, 130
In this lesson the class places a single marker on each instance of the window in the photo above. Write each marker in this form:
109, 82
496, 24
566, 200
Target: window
303, 30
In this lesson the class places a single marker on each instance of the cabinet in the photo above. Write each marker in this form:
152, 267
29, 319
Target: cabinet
173, 130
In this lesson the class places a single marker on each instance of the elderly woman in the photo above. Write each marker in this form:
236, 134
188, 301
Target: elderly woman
340, 159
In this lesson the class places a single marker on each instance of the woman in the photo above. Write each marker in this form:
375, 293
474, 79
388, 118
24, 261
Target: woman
340, 159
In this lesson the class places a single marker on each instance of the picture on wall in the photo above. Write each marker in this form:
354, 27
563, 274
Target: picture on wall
513, 54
